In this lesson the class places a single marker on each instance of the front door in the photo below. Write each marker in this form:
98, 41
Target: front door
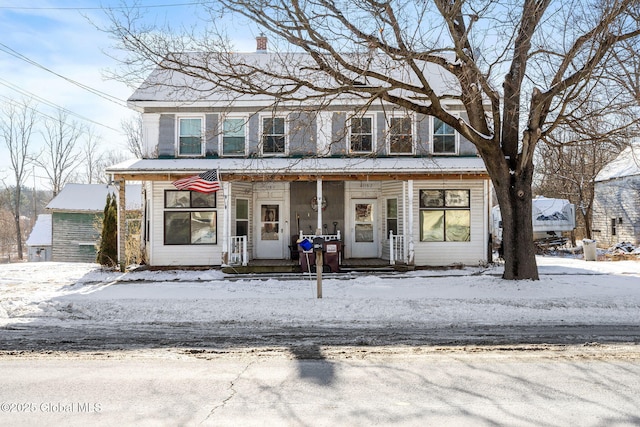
269, 231
364, 236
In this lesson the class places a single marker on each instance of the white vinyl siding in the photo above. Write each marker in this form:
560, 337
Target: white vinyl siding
172, 255
446, 253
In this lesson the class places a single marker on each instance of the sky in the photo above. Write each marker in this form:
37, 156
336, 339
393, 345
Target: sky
46, 43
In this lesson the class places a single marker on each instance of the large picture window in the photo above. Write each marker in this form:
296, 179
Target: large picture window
190, 218
190, 136
444, 138
445, 216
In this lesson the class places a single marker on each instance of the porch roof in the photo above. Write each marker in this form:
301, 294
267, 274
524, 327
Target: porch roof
310, 169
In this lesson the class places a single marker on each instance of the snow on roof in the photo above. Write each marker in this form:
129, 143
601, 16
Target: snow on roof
547, 207
41, 233
626, 164
92, 197
173, 86
315, 165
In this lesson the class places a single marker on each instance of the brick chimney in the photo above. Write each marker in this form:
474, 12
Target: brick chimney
261, 44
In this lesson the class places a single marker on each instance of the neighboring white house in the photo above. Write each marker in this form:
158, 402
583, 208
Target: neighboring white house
616, 208
372, 179
39, 241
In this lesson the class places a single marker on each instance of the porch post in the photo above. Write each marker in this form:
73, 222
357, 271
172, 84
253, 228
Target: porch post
405, 226
411, 260
319, 199
122, 225
226, 227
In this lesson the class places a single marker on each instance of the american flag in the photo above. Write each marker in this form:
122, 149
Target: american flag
206, 182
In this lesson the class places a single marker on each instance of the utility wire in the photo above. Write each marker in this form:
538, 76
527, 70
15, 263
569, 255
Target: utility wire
24, 92
105, 7
110, 98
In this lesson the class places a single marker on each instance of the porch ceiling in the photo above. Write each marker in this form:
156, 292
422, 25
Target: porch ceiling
304, 169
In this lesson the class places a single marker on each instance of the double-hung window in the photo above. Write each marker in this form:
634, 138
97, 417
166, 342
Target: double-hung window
392, 216
233, 136
400, 135
445, 216
190, 132
361, 134
190, 218
444, 138
273, 135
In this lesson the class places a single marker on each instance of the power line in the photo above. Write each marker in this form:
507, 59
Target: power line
110, 98
104, 8
24, 92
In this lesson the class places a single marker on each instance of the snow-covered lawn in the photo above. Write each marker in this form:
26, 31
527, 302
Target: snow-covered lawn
569, 291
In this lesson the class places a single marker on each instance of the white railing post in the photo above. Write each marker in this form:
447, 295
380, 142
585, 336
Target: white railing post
392, 248
245, 255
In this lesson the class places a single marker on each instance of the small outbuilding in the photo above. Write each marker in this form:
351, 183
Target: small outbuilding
616, 208
76, 216
39, 241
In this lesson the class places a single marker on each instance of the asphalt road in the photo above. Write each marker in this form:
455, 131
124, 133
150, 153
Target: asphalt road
310, 385
124, 336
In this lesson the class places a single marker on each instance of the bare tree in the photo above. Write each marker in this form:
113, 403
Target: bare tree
16, 128
60, 157
514, 65
109, 158
92, 156
132, 128
574, 154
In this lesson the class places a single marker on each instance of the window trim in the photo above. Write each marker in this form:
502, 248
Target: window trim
388, 217
247, 219
283, 116
432, 134
413, 134
373, 133
246, 135
422, 207
190, 210
202, 134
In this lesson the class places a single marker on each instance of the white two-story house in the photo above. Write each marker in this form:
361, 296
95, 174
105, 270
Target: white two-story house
386, 183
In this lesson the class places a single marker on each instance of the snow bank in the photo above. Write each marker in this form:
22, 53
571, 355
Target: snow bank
570, 291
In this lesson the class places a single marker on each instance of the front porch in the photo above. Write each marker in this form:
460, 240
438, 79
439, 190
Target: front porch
293, 266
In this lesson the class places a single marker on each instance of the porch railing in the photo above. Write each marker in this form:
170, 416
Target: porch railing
326, 237
238, 251
397, 248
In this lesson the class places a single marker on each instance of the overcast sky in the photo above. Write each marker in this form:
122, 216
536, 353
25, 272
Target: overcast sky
60, 36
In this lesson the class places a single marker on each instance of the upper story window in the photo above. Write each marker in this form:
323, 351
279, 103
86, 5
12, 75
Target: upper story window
444, 138
234, 136
190, 131
361, 134
273, 135
400, 135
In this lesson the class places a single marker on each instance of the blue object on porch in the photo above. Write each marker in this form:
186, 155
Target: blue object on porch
306, 245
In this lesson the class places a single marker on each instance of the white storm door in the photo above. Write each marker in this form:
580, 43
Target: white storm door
269, 233
364, 235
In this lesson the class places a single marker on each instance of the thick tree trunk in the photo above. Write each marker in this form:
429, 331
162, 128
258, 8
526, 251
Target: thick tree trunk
517, 226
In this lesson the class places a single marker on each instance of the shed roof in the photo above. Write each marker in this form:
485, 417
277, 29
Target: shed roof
41, 233
92, 197
626, 164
